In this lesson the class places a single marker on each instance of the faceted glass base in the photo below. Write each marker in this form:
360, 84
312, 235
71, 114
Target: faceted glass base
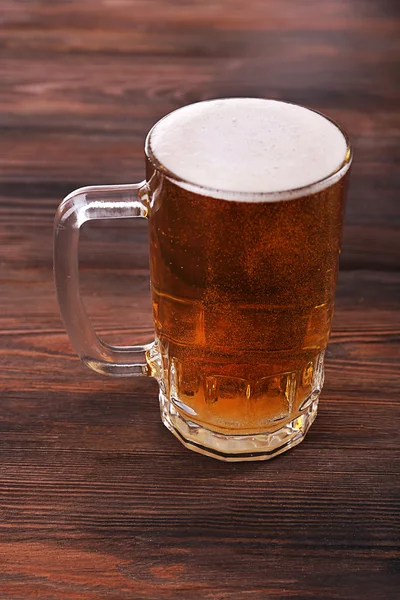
235, 448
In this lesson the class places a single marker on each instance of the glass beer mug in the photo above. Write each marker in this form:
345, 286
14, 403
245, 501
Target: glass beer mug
244, 199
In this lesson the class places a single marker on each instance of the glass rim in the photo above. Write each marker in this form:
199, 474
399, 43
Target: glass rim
292, 193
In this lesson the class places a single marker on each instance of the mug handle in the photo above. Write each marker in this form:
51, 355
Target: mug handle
91, 204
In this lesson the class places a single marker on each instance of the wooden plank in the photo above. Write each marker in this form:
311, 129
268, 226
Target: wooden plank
97, 500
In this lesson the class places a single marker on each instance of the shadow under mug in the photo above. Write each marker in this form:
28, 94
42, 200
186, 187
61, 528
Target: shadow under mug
242, 295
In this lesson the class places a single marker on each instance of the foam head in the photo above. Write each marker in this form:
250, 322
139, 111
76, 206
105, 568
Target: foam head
248, 146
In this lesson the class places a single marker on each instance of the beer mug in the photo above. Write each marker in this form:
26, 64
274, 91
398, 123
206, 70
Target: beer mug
244, 199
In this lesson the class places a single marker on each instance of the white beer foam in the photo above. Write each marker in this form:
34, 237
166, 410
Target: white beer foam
241, 148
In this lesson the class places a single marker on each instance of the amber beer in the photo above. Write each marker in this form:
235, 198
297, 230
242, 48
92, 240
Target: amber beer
244, 198
245, 232
243, 297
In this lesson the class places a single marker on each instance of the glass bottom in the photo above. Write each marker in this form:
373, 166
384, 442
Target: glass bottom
235, 448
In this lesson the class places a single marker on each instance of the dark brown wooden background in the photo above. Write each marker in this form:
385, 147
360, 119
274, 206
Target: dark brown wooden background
98, 501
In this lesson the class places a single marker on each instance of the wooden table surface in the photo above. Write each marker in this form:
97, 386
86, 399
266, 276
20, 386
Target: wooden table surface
98, 500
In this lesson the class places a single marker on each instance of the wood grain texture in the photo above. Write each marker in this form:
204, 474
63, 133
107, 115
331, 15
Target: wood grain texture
97, 500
